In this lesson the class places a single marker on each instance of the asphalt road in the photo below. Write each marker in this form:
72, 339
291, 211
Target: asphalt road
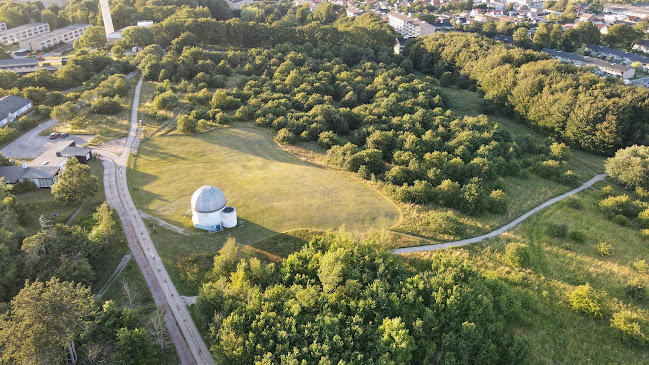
189, 345
31, 145
504, 228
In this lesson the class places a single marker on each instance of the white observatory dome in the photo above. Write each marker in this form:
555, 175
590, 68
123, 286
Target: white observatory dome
208, 199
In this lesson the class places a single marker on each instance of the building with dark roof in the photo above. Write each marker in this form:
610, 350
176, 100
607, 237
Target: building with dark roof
13, 107
616, 55
608, 68
21, 66
44, 170
642, 46
505, 39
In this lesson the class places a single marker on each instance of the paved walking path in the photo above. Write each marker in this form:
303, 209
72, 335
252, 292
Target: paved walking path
189, 345
504, 228
165, 224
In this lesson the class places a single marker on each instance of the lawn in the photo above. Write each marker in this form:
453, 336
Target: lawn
557, 334
272, 191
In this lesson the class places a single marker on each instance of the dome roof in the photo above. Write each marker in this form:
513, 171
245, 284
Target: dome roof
208, 199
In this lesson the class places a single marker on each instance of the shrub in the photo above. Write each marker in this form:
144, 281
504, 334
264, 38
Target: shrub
588, 301
577, 236
186, 124
446, 79
644, 233
643, 218
518, 254
445, 223
364, 173
550, 169
560, 151
285, 136
619, 205
620, 219
641, 267
106, 105
569, 178
607, 191
328, 139
557, 229
604, 249
165, 101
574, 202
635, 289
498, 202
23, 187
631, 327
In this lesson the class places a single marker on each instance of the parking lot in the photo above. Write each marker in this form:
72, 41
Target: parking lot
31, 145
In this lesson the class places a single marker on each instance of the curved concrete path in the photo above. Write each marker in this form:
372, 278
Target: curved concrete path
504, 228
189, 345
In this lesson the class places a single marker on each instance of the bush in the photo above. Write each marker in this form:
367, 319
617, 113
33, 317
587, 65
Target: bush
518, 254
285, 136
619, 205
631, 327
106, 105
569, 178
560, 151
588, 301
643, 218
328, 139
23, 187
577, 236
558, 230
641, 267
364, 173
620, 219
607, 191
550, 169
165, 101
445, 223
604, 249
498, 202
635, 289
644, 233
447, 79
186, 124
574, 202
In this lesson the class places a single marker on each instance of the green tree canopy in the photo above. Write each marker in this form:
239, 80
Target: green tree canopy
75, 182
630, 166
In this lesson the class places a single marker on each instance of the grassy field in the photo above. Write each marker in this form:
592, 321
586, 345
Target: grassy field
272, 191
557, 334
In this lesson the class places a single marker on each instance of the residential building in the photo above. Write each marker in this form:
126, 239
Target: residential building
65, 35
351, 12
618, 56
642, 46
602, 66
409, 27
44, 170
505, 39
627, 10
17, 34
13, 107
21, 66
399, 44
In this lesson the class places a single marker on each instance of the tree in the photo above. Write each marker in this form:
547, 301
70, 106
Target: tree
133, 347
44, 319
93, 37
62, 252
630, 166
596, 7
520, 37
327, 12
105, 227
621, 36
157, 329
75, 182
65, 112
542, 37
186, 124
137, 36
396, 344
106, 105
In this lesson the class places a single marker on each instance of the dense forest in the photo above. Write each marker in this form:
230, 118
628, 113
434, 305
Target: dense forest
342, 301
597, 114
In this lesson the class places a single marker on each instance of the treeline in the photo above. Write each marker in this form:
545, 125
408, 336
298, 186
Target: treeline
376, 119
366, 31
597, 114
341, 301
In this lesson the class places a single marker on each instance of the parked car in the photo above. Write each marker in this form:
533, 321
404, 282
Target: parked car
54, 135
64, 134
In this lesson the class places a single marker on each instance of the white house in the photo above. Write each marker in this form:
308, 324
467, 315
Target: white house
13, 107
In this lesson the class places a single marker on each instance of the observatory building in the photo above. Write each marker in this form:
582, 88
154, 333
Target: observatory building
209, 211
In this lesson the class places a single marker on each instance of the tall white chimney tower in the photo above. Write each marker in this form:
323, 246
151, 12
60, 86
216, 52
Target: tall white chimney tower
105, 14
